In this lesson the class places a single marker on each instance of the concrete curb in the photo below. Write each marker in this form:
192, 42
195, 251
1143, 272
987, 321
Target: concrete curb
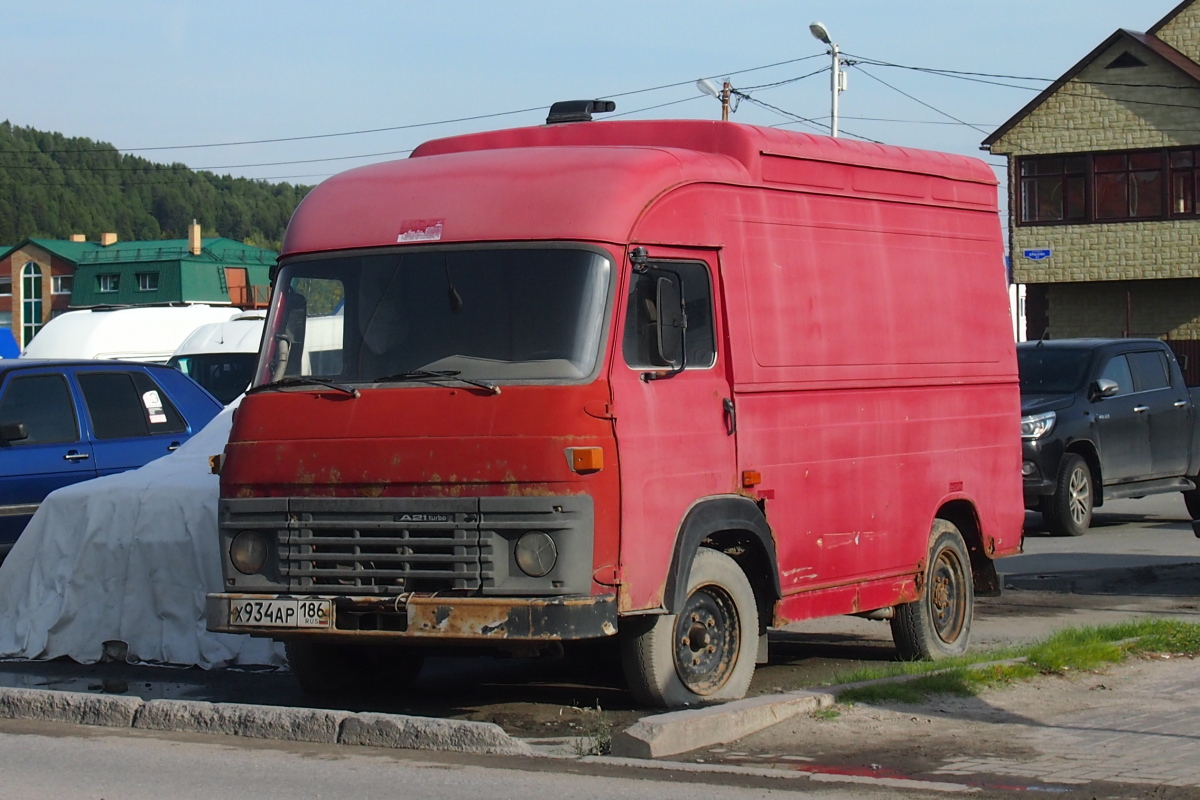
260, 722
690, 729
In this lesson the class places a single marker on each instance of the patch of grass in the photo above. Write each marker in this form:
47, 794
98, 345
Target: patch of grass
826, 713
1074, 649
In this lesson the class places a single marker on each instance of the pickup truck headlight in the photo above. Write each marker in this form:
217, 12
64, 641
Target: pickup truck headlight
1035, 426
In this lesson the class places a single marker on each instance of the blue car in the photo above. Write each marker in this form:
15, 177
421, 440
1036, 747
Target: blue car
62, 422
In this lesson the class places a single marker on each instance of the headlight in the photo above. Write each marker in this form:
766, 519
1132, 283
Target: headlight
1036, 426
248, 552
535, 554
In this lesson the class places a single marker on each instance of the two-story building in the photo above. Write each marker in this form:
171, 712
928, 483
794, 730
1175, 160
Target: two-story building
1104, 190
41, 278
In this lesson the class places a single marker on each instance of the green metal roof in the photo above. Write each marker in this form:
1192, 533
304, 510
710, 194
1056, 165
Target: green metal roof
212, 251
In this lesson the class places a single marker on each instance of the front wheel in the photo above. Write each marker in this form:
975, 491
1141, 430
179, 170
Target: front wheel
939, 624
706, 652
1068, 511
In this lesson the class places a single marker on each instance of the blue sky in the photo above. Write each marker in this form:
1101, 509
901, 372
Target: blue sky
159, 73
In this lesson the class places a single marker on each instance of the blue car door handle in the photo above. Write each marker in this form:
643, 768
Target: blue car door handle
73, 455
173, 446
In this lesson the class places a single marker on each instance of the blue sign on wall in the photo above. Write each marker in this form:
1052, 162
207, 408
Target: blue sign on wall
1037, 255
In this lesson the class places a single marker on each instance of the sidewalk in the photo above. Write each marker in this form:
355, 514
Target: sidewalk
1135, 723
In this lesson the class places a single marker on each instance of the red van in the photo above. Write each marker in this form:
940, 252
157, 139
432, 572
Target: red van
670, 383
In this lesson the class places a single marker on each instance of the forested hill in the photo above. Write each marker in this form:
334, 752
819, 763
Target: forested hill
52, 186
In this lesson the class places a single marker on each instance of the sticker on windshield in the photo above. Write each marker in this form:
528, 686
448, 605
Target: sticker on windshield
420, 230
154, 407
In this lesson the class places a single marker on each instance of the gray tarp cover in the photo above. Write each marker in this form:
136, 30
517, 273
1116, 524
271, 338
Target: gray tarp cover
129, 558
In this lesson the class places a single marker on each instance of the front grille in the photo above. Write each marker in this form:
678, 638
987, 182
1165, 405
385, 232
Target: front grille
379, 558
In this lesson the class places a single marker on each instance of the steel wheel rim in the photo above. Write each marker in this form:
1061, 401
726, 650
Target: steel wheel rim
947, 596
1079, 494
707, 638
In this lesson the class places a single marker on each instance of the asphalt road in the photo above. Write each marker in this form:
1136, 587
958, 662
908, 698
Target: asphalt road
1140, 559
60, 762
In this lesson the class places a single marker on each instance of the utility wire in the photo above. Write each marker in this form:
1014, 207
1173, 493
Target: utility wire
411, 126
918, 100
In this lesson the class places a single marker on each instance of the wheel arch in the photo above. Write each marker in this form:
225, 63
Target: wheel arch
1086, 449
964, 516
736, 526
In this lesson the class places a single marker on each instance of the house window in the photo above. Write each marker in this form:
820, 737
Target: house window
1054, 189
108, 283
5, 286
1128, 185
31, 301
1185, 168
147, 281
62, 283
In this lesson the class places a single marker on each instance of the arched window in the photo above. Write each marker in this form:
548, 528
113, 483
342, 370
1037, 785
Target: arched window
31, 301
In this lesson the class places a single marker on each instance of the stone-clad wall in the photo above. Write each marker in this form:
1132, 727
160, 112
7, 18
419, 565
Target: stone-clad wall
1183, 32
1137, 308
1108, 251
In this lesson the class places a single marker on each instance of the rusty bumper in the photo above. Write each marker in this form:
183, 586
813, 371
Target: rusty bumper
432, 618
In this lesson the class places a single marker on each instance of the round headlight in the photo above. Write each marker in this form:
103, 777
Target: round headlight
248, 552
536, 554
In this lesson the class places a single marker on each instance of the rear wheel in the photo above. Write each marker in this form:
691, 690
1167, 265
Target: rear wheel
326, 669
1192, 499
1068, 511
706, 652
939, 624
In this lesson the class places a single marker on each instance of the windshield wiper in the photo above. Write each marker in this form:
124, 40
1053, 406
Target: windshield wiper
436, 376
300, 380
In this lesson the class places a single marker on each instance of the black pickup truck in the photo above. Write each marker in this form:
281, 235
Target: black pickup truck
1101, 419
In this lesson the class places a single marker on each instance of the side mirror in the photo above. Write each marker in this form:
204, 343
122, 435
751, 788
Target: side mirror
1103, 387
13, 431
671, 322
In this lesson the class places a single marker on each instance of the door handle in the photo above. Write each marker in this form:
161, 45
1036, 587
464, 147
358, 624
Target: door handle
1181, 403
730, 416
76, 456
1140, 409
173, 446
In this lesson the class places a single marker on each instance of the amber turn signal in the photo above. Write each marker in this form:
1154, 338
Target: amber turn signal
751, 478
586, 459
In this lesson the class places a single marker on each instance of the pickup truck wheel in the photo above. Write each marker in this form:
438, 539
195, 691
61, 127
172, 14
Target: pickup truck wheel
939, 624
1192, 499
1068, 511
705, 653
332, 670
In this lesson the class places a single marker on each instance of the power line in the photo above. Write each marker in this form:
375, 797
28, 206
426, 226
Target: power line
391, 128
918, 100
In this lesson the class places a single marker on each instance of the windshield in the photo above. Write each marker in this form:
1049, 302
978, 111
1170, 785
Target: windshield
511, 314
1052, 370
225, 375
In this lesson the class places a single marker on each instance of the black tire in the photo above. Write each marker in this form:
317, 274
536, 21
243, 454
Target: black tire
704, 654
327, 669
1068, 511
938, 625
1192, 499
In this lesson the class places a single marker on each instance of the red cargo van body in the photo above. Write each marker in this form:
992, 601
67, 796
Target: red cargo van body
838, 439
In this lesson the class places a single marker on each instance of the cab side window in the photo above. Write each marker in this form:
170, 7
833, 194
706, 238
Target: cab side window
43, 403
641, 316
122, 405
1117, 370
1150, 371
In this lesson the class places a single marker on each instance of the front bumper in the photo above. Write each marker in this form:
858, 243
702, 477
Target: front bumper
1044, 455
444, 619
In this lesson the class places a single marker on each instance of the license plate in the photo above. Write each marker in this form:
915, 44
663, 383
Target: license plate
281, 613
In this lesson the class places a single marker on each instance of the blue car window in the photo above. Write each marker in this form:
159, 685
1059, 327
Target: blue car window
113, 405
166, 420
43, 404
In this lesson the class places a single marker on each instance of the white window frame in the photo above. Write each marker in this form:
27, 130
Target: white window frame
108, 284
56, 283
144, 279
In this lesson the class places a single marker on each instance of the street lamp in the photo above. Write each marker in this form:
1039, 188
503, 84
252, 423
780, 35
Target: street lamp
709, 88
837, 82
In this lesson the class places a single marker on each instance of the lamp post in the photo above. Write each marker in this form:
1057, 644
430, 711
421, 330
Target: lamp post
723, 94
837, 81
